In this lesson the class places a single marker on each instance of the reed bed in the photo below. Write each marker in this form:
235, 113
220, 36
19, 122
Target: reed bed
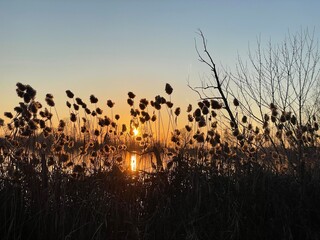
206, 179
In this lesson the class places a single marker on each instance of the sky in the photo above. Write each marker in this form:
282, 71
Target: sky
108, 48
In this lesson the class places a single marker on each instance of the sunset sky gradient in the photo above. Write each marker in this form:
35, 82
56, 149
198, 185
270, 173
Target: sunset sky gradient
108, 48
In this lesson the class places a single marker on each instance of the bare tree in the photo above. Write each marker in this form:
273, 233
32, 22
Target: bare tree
277, 90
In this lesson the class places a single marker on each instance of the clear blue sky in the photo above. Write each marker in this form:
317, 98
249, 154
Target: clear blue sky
108, 48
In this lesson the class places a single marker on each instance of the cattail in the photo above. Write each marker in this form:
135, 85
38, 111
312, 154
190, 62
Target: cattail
73, 117
87, 110
169, 104
153, 118
69, 94
110, 104
236, 102
215, 104
205, 110
200, 104
197, 112
99, 111
274, 112
293, 120
157, 105
142, 106
31, 92
26, 98
21, 86
202, 122
76, 107
93, 99
8, 115
244, 119
79, 101
49, 95
283, 118
272, 106
168, 89
18, 109
131, 95
96, 132
177, 111
189, 108
1, 122
190, 118
20, 93
130, 102
42, 124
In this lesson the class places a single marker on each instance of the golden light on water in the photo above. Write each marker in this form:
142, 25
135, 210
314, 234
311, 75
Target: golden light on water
133, 163
135, 131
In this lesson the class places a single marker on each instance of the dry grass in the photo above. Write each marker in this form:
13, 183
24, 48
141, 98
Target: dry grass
207, 180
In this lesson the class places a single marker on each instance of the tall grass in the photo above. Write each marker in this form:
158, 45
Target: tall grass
205, 179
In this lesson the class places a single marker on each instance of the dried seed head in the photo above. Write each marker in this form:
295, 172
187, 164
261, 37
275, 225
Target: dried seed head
93, 99
73, 117
169, 104
168, 89
76, 107
8, 115
69, 94
21, 86
131, 95
197, 112
99, 111
244, 119
190, 118
205, 110
130, 102
215, 104
189, 108
177, 111
293, 120
110, 104
236, 102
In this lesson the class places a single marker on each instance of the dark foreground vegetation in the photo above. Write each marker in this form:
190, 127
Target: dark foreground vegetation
244, 164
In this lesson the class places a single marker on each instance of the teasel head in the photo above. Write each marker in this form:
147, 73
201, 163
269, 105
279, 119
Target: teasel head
99, 111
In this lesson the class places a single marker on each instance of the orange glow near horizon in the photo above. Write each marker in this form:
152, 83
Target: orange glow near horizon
133, 163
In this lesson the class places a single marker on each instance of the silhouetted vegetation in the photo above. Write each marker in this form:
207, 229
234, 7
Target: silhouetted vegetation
228, 173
